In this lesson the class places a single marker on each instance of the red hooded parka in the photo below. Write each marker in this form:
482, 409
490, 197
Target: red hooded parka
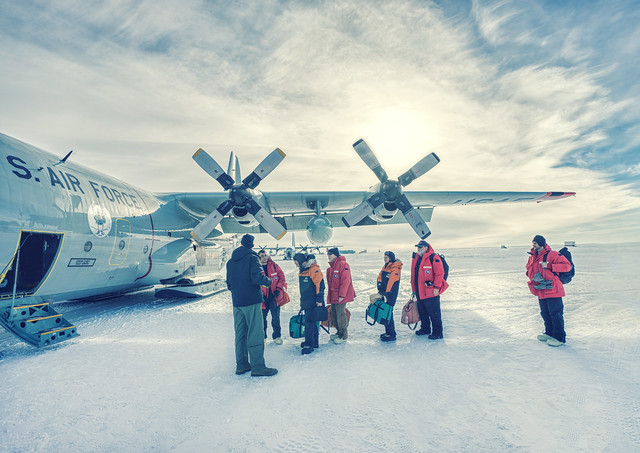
430, 275
339, 282
555, 263
275, 273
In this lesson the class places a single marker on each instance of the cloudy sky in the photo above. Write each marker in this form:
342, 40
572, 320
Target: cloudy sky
518, 95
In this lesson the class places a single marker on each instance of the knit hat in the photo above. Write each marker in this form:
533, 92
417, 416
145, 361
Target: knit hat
247, 241
300, 258
391, 255
333, 251
422, 244
540, 240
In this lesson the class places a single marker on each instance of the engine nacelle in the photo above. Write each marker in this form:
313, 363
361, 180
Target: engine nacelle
239, 196
243, 217
319, 230
384, 212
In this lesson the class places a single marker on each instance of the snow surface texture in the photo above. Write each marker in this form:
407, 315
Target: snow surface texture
153, 375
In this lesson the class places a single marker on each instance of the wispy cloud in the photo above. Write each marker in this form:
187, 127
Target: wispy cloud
511, 96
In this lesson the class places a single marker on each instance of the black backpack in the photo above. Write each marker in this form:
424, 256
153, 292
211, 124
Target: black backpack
445, 265
565, 277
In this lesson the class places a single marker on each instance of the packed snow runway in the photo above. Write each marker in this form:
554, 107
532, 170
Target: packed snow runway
147, 374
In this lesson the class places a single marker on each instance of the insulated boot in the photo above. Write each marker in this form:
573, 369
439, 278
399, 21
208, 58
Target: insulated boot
277, 340
434, 337
264, 372
544, 337
306, 350
242, 370
553, 342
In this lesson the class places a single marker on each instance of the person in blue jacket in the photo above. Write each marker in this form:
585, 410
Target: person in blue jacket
311, 296
388, 286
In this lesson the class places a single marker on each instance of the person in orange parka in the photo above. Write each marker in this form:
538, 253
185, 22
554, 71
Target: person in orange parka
388, 286
427, 283
273, 295
340, 291
542, 269
311, 296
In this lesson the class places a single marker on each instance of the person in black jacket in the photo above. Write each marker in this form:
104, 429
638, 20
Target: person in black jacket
311, 296
244, 279
388, 286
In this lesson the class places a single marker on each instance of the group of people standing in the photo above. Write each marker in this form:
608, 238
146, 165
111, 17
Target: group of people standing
256, 281
339, 292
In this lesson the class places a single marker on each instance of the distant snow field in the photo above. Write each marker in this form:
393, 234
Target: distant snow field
158, 375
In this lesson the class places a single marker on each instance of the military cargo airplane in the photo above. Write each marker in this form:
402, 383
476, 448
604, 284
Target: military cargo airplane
69, 232
289, 252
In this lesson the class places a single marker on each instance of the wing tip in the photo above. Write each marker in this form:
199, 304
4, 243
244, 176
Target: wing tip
555, 196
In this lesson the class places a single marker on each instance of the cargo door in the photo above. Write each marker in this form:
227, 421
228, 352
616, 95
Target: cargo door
34, 259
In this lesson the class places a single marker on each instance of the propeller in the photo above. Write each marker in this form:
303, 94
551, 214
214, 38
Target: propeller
391, 191
239, 194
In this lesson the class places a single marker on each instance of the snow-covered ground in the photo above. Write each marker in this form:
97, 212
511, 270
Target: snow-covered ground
147, 374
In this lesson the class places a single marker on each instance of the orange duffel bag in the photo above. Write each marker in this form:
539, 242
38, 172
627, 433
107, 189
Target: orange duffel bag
410, 314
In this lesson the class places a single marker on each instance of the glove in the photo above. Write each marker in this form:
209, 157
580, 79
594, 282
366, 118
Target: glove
276, 293
541, 282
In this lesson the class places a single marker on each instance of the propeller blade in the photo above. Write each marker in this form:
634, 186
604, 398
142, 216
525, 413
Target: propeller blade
206, 226
413, 217
233, 169
208, 164
424, 165
363, 209
264, 168
265, 219
366, 154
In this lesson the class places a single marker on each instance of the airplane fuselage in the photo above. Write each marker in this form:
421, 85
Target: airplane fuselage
83, 233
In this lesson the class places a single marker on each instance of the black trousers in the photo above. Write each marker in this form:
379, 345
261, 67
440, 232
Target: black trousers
311, 334
272, 306
551, 310
430, 316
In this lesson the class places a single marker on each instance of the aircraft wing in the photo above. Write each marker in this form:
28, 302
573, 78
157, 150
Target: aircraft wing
294, 210
283, 203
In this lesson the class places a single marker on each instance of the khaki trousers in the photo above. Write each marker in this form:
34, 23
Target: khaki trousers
339, 317
247, 322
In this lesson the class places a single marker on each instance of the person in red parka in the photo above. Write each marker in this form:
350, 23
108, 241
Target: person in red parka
542, 269
340, 291
427, 283
273, 295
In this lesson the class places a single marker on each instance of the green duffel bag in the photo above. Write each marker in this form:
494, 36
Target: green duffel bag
296, 325
379, 311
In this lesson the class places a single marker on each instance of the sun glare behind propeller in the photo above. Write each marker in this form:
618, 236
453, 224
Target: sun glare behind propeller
239, 195
391, 191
